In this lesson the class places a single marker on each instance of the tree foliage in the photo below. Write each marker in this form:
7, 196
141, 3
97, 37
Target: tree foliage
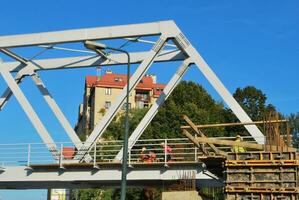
253, 101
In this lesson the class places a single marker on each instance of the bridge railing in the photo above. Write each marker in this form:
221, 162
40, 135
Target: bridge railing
105, 151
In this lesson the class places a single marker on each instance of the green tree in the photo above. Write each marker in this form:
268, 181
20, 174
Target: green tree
86, 194
191, 99
115, 130
253, 102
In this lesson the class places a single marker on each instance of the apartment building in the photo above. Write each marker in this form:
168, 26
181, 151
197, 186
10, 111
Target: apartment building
101, 92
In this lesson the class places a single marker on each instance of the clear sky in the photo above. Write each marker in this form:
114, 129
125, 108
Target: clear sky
249, 42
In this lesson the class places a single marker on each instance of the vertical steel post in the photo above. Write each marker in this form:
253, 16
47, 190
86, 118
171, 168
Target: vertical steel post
126, 136
98, 48
28, 156
61, 155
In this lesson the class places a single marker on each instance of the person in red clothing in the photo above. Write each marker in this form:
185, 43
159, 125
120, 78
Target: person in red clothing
167, 149
147, 156
152, 156
144, 155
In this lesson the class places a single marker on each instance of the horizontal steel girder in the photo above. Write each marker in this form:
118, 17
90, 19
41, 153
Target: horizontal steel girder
100, 33
20, 178
91, 61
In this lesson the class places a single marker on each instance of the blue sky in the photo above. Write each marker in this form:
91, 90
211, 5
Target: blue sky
249, 42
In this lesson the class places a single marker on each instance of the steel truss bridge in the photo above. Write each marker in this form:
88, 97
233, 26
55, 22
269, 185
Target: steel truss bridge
34, 174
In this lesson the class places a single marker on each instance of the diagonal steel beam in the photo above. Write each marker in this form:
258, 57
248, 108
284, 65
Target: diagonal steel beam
182, 42
19, 77
151, 113
28, 70
134, 80
14, 56
14, 88
8, 93
57, 111
26, 106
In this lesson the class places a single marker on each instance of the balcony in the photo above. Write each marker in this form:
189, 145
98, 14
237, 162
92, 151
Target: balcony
143, 98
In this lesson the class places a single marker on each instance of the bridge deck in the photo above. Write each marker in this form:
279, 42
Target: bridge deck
33, 166
107, 175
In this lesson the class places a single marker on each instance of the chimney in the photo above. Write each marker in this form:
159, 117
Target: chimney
108, 71
154, 77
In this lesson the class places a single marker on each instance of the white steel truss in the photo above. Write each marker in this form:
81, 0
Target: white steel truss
166, 30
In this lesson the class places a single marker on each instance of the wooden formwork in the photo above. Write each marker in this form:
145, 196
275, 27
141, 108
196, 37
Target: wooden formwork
262, 176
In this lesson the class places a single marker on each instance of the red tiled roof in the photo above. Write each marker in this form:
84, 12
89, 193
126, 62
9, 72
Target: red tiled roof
120, 80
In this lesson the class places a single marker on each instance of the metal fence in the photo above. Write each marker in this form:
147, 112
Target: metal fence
104, 151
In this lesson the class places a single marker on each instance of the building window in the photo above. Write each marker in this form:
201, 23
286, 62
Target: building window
107, 104
140, 104
108, 91
124, 106
118, 79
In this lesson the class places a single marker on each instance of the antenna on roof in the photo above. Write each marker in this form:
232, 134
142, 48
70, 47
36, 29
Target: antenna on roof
99, 73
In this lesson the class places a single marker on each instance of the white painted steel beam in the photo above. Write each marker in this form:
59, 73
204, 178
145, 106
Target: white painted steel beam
85, 177
151, 113
91, 61
185, 45
57, 111
7, 93
134, 80
109, 32
31, 114
80, 62
28, 70
18, 78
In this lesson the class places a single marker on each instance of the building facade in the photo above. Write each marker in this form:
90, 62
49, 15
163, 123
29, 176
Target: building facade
101, 92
